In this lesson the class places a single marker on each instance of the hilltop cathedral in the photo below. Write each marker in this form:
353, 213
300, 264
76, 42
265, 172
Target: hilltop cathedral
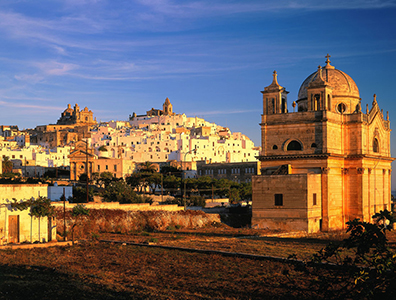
324, 164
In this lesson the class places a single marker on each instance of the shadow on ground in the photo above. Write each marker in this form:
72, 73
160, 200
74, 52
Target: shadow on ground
34, 282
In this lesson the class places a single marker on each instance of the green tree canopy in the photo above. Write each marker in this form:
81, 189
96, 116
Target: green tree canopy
40, 207
147, 167
120, 191
6, 165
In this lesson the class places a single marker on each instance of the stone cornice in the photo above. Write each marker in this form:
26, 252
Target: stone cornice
321, 156
294, 156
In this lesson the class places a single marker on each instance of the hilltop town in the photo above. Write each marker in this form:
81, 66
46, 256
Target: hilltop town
159, 136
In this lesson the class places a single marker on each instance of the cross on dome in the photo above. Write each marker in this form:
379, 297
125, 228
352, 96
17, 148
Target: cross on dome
327, 58
328, 66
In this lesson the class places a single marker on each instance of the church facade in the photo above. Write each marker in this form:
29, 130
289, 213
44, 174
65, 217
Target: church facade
325, 163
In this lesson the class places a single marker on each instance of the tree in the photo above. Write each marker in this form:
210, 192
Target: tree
120, 191
40, 207
83, 178
245, 190
234, 195
7, 165
154, 181
170, 170
106, 178
222, 187
102, 148
80, 195
171, 183
147, 167
78, 211
133, 180
95, 177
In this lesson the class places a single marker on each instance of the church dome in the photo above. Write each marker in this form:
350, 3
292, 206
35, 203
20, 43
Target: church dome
68, 110
343, 84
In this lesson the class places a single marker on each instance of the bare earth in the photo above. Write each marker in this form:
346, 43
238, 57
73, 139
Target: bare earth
95, 270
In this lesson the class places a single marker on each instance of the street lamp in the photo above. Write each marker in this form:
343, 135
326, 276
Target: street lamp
183, 179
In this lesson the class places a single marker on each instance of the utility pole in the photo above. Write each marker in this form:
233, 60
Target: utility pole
183, 179
64, 216
86, 166
162, 187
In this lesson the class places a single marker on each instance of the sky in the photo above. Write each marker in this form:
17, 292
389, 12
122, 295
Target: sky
210, 58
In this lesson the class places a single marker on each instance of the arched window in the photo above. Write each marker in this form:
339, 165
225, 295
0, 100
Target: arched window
273, 105
313, 145
284, 106
293, 146
375, 145
341, 108
317, 102
274, 147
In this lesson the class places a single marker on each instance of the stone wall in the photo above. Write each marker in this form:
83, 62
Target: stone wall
297, 211
125, 207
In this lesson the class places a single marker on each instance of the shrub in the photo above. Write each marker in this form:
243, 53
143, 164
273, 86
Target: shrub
363, 266
197, 201
80, 210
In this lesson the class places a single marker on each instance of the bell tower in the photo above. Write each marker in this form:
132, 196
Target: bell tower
167, 107
274, 98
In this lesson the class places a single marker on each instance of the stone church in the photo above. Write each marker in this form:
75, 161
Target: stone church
76, 116
325, 163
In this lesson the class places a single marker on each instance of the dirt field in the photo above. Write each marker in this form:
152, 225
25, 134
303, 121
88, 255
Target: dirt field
96, 270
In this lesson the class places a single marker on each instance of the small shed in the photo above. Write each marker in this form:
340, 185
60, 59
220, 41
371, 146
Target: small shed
18, 226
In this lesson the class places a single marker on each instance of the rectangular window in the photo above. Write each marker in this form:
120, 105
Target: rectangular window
115, 168
107, 167
98, 168
314, 199
278, 199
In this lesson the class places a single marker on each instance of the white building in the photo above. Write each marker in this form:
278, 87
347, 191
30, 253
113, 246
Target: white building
159, 136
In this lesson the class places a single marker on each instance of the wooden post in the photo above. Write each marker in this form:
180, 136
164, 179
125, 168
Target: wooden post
64, 215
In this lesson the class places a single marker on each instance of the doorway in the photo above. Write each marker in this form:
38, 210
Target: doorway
13, 229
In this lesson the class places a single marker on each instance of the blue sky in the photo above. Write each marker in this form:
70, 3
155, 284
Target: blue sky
211, 58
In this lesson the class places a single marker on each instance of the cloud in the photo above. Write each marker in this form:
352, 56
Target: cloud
30, 106
188, 9
56, 68
60, 50
31, 78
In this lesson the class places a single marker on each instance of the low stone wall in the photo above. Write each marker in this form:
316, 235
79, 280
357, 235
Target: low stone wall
125, 207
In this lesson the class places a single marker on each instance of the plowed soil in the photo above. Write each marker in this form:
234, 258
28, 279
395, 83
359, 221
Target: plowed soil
96, 270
